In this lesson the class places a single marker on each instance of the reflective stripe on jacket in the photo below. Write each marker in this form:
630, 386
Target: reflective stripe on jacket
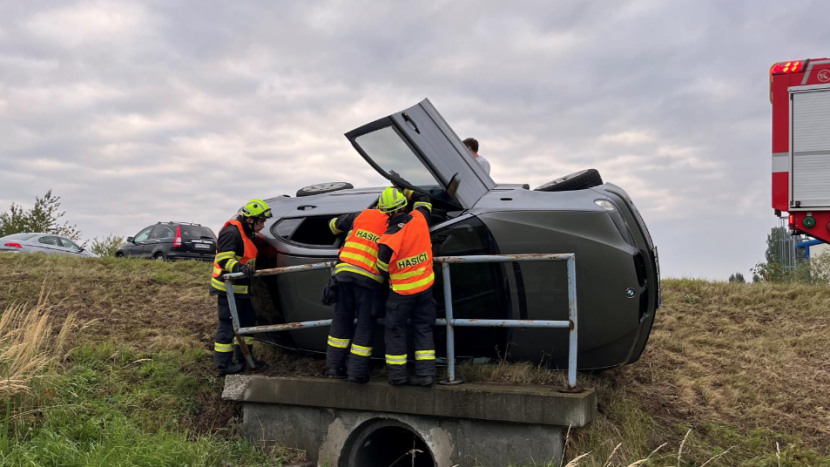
226, 260
410, 267
359, 254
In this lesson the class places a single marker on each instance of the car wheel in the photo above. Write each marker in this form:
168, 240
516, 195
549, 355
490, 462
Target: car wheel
160, 257
575, 181
118, 254
321, 188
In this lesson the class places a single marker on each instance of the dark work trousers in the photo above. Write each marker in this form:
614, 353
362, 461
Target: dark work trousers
224, 342
420, 309
346, 339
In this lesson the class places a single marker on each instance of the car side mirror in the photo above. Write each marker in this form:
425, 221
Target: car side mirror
452, 186
130, 239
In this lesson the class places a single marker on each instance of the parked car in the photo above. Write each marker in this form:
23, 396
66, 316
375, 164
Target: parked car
50, 244
171, 241
617, 271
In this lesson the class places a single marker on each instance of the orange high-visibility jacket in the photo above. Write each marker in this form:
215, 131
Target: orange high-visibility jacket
410, 267
359, 254
226, 260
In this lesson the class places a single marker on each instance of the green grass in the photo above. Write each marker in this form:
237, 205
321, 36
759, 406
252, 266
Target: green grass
114, 405
734, 368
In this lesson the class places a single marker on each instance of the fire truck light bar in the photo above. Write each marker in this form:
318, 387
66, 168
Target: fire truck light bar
788, 67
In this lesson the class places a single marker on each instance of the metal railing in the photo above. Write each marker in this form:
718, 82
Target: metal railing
450, 322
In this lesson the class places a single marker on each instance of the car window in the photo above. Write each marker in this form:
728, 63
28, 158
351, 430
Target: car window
196, 231
66, 243
18, 236
394, 156
286, 227
142, 236
310, 232
49, 240
161, 232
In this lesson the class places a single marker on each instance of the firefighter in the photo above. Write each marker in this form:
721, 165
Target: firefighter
405, 258
236, 252
360, 291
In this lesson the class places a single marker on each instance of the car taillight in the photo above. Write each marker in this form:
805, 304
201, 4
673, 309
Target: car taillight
178, 241
792, 221
14, 245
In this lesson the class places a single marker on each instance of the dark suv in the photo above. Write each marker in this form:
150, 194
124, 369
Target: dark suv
170, 241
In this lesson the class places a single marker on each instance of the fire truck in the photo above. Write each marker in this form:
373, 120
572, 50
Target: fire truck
799, 92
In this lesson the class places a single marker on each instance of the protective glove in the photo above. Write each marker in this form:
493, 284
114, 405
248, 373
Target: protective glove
245, 269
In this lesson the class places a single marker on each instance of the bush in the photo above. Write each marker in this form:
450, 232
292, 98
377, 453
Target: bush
107, 246
820, 268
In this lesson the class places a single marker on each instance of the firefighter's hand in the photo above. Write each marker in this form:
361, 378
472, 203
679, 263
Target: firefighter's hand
245, 269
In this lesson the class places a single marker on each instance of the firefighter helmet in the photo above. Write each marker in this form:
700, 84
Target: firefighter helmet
256, 208
391, 200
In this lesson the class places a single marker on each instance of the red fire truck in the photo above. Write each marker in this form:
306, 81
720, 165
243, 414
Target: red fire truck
799, 91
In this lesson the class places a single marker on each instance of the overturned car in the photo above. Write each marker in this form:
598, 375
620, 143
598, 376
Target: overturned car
618, 284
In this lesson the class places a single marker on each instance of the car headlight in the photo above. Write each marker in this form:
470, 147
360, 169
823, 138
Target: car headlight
605, 204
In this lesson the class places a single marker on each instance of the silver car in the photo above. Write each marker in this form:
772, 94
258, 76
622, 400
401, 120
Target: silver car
50, 244
618, 283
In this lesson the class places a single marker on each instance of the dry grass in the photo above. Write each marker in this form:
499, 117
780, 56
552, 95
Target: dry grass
27, 347
743, 365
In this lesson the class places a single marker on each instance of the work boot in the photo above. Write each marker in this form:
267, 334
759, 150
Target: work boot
421, 380
335, 373
358, 379
259, 365
398, 382
231, 368
225, 365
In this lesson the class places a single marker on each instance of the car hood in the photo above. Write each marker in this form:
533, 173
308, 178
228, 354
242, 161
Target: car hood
520, 199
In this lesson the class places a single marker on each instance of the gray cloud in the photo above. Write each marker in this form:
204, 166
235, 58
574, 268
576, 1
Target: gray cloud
138, 112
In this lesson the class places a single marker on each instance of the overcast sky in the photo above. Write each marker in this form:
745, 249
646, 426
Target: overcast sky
135, 112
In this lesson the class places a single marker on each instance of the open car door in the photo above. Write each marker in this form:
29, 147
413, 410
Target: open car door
416, 148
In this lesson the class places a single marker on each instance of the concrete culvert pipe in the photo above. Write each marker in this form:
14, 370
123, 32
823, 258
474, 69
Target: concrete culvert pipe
385, 443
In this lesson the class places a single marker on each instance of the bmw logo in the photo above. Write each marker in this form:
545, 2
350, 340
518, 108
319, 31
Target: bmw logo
630, 293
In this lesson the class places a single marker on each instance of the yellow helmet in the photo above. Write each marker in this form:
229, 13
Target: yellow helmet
256, 208
391, 200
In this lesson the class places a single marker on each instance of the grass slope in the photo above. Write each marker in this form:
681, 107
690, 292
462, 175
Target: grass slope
737, 371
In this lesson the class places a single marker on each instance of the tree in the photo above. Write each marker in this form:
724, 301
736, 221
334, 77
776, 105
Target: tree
107, 246
737, 278
44, 217
781, 265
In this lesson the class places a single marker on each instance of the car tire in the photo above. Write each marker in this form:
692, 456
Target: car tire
160, 257
320, 188
576, 181
118, 254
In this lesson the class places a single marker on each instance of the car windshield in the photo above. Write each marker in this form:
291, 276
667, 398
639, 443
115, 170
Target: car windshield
18, 236
196, 231
390, 152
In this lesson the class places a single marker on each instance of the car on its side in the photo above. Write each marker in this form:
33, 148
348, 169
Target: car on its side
617, 269
50, 244
165, 241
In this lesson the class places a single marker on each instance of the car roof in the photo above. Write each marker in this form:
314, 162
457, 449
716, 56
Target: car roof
178, 223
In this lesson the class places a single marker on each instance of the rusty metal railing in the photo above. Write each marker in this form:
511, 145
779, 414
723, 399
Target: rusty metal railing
450, 322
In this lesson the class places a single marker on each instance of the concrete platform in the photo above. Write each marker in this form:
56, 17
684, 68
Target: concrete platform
344, 424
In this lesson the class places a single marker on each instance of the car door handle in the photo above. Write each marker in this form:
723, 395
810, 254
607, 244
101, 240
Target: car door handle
410, 123
305, 207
